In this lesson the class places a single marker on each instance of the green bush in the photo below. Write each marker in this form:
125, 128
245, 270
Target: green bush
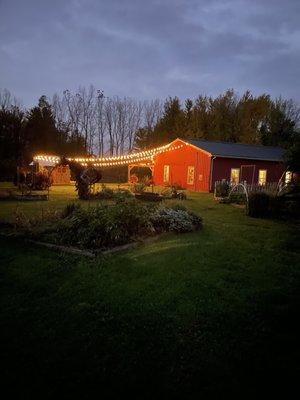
106, 225
258, 205
275, 205
107, 193
139, 187
291, 208
69, 210
262, 204
237, 198
42, 181
222, 189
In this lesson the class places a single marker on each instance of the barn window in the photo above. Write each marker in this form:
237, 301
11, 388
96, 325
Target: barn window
262, 177
235, 175
190, 175
166, 173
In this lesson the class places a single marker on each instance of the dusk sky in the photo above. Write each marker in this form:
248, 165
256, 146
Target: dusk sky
149, 49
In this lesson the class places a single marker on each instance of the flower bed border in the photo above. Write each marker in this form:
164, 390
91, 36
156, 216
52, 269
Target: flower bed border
87, 253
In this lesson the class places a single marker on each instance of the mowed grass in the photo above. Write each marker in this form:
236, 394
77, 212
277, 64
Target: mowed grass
204, 313
59, 197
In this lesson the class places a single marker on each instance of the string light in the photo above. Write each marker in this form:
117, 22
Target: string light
112, 161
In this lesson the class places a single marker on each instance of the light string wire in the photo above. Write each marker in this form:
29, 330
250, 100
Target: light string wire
112, 161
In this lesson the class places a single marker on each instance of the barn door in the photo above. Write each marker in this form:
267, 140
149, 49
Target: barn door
247, 174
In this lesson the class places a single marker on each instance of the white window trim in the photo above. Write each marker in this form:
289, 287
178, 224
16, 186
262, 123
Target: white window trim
259, 182
166, 176
188, 175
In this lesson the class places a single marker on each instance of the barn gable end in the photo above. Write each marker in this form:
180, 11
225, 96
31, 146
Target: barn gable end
188, 167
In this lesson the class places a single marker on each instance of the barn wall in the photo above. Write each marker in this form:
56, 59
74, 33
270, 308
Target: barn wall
179, 160
61, 175
222, 169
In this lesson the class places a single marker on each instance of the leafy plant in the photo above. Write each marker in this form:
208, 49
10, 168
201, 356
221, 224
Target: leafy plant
139, 187
258, 204
105, 226
69, 210
42, 181
237, 198
107, 193
222, 189
174, 192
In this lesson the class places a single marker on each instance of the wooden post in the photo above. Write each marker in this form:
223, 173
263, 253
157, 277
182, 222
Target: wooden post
128, 177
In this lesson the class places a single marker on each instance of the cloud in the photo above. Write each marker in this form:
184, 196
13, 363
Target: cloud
150, 49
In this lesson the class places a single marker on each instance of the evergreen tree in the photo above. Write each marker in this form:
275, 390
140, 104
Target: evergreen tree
41, 133
292, 155
171, 125
143, 138
12, 140
201, 118
280, 125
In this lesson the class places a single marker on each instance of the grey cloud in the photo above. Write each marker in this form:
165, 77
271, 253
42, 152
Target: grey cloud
149, 49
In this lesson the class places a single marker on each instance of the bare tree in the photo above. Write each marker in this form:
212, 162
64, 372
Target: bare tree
153, 112
8, 101
107, 124
100, 121
109, 117
135, 119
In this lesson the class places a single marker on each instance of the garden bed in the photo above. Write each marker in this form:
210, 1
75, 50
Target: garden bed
104, 227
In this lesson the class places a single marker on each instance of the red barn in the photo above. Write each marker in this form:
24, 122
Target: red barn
197, 164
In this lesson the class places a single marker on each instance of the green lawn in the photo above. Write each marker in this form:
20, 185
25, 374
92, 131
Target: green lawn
206, 313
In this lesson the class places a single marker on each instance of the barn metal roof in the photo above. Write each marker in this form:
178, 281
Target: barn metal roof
239, 150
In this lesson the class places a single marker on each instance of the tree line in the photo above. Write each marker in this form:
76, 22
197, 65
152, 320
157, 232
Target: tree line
228, 117
88, 122
80, 123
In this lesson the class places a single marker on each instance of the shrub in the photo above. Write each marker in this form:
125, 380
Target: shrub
258, 204
104, 226
177, 195
107, 193
82, 188
139, 187
42, 181
177, 206
34, 226
275, 205
237, 198
172, 191
168, 219
69, 210
291, 208
222, 189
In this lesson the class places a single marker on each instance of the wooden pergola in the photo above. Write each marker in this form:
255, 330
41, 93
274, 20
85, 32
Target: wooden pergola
149, 165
